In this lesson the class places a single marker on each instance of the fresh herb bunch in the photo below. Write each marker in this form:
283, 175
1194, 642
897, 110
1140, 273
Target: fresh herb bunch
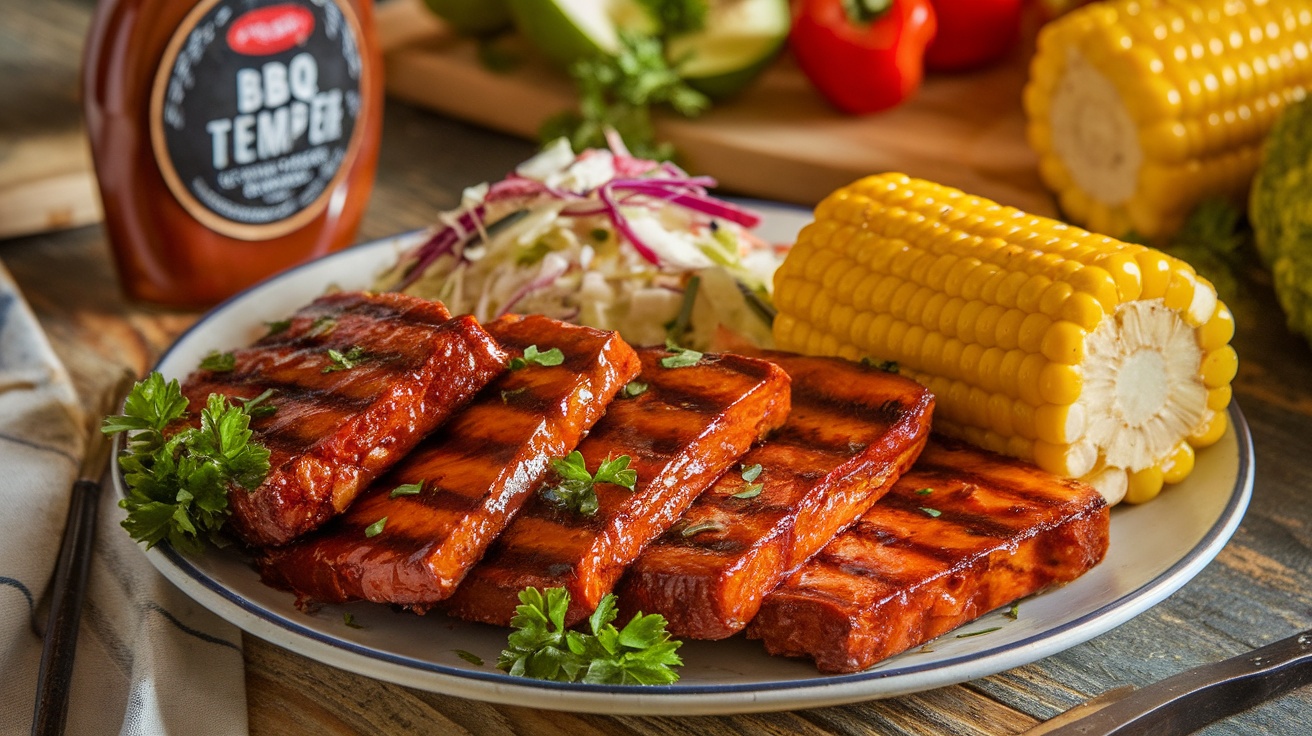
619, 92
178, 484
576, 490
641, 653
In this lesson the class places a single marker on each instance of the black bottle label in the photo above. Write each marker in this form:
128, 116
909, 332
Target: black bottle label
253, 112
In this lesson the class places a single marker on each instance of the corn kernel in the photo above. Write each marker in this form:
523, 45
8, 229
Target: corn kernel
1144, 485
1179, 464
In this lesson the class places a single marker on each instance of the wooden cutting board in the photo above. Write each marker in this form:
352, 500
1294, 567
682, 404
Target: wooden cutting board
778, 140
46, 183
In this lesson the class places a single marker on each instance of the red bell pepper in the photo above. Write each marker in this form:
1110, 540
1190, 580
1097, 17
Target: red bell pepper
972, 33
863, 55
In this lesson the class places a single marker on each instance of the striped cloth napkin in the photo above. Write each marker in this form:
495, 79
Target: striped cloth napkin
149, 659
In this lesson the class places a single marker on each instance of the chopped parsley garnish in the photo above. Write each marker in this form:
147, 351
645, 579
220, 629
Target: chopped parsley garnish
750, 490
924, 491
981, 632
375, 528
634, 388
178, 483
406, 489
933, 513
349, 620
681, 358
540, 647
219, 362
469, 657
576, 490
256, 406
888, 366
1013, 613
532, 356
352, 358
277, 327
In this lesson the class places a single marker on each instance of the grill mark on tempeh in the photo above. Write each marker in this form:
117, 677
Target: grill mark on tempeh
751, 398
900, 577
976, 524
848, 437
477, 470
339, 430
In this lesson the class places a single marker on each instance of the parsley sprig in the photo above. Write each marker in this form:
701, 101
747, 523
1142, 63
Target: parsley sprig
576, 490
641, 653
619, 93
178, 483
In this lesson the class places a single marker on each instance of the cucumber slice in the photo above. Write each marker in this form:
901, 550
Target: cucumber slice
569, 30
740, 39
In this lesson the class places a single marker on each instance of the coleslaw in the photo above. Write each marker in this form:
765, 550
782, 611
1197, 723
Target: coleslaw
603, 239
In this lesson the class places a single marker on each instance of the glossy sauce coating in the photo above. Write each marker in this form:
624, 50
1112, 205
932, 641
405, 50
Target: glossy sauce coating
335, 430
902, 576
684, 430
851, 433
475, 472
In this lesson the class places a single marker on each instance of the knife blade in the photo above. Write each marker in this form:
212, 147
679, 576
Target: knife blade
68, 588
1186, 702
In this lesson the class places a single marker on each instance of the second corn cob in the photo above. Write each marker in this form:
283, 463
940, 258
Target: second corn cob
1141, 109
1091, 357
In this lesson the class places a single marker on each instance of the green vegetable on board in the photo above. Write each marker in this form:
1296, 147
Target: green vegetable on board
1280, 211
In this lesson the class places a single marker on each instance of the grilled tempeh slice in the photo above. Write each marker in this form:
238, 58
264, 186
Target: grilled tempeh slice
687, 427
963, 532
852, 432
474, 473
400, 366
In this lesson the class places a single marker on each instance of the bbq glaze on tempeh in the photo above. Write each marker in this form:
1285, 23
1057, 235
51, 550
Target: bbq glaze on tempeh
962, 533
687, 427
474, 474
852, 432
402, 367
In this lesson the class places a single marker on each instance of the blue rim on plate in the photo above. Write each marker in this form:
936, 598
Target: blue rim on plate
1223, 479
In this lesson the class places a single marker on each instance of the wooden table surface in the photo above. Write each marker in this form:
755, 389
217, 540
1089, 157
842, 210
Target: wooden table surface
1258, 589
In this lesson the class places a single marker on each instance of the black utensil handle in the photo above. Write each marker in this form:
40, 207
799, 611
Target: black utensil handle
1194, 698
68, 590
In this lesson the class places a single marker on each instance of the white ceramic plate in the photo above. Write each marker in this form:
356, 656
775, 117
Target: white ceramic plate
1155, 549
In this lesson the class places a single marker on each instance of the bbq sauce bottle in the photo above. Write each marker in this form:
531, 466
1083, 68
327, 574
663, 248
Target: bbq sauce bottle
231, 138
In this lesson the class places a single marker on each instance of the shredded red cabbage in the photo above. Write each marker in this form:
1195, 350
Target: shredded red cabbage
635, 180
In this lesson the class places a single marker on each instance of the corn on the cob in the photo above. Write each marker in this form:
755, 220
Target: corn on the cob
1093, 358
1140, 109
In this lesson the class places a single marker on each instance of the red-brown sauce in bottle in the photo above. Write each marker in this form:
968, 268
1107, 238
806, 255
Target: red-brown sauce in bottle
231, 138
